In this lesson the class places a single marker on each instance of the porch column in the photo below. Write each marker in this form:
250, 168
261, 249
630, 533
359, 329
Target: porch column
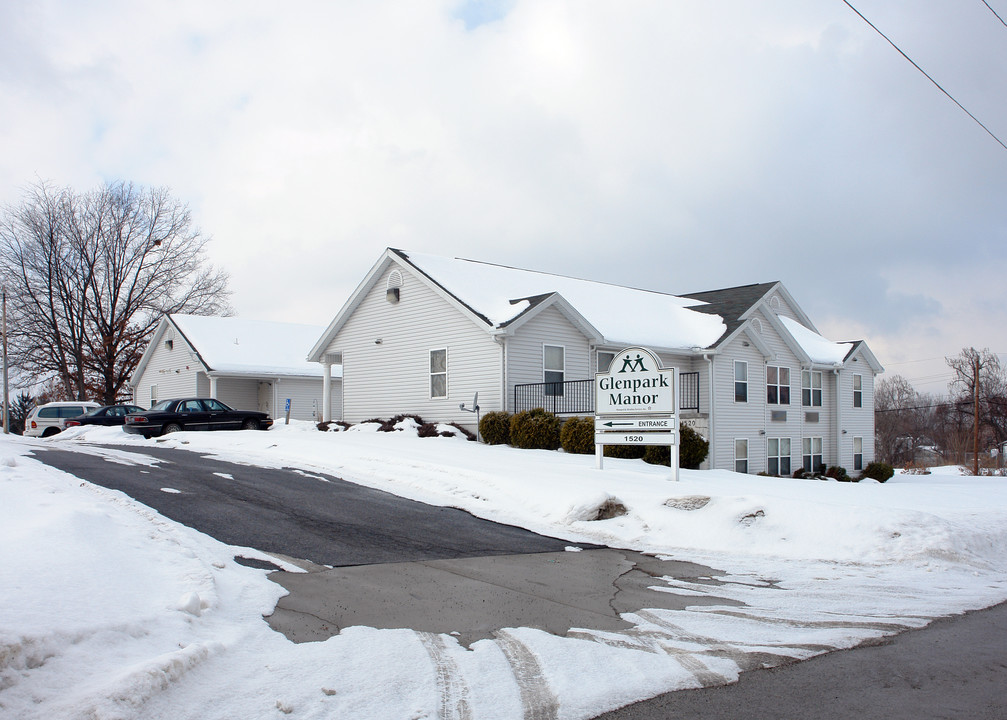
213, 386
326, 392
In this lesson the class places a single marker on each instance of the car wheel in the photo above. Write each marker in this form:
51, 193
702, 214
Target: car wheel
50, 431
171, 428
250, 424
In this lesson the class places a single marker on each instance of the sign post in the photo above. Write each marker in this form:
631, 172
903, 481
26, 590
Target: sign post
287, 411
636, 404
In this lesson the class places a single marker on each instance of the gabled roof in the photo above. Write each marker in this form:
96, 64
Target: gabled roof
238, 347
500, 299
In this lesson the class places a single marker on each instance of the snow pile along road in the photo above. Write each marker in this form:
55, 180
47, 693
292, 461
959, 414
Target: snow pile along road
111, 611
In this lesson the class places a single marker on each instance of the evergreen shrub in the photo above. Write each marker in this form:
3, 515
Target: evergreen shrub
494, 427
692, 448
838, 473
577, 435
535, 429
878, 471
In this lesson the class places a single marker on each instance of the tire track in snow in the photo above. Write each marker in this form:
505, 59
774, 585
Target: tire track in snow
452, 691
538, 702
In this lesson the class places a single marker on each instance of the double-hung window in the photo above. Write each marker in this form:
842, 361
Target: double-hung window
778, 456
811, 388
741, 456
554, 364
439, 373
812, 454
858, 453
858, 391
777, 385
740, 381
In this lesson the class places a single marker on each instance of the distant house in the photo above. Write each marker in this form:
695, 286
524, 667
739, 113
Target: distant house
247, 364
423, 334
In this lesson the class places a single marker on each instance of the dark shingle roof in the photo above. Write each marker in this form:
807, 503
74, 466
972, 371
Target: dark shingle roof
730, 303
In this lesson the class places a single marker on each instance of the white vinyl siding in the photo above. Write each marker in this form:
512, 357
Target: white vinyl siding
305, 396
239, 393
383, 380
733, 419
857, 421
526, 351
173, 370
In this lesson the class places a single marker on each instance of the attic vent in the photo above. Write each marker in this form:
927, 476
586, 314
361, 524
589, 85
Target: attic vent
757, 325
774, 302
393, 287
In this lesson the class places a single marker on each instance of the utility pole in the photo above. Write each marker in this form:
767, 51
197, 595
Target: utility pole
975, 420
6, 396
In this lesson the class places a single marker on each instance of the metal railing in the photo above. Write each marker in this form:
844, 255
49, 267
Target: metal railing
572, 397
576, 397
688, 392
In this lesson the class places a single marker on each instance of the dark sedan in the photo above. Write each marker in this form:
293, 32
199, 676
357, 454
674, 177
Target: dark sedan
170, 416
106, 415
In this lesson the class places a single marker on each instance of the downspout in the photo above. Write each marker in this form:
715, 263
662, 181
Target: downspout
326, 392
839, 418
501, 340
713, 404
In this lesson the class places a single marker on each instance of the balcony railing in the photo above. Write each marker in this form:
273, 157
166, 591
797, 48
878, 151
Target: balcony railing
576, 397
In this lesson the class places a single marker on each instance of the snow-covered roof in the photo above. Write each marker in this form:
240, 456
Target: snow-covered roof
817, 348
623, 315
237, 346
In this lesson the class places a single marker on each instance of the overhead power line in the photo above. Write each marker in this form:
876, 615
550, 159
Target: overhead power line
925, 74
995, 13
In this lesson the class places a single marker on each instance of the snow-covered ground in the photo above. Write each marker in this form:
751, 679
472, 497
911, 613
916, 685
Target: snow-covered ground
108, 610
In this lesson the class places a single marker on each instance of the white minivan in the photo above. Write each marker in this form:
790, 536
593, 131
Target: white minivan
49, 419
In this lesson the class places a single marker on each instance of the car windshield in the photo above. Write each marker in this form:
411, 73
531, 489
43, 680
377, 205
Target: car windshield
93, 413
163, 405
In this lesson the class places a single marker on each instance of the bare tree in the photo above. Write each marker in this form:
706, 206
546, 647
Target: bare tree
979, 396
904, 419
91, 275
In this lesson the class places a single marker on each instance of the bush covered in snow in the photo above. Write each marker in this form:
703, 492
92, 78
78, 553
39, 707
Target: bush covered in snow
495, 428
878, 471
535, 429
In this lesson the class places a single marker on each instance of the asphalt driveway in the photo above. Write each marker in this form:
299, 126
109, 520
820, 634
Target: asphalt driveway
302, 515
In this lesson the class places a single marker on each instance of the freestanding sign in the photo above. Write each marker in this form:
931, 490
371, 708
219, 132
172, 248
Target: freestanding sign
635, 404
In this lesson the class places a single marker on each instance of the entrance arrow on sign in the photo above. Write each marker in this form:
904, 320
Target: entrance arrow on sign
618, 424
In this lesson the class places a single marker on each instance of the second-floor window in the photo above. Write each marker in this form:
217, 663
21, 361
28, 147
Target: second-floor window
858, 391
740, 381
811, 388
777, 385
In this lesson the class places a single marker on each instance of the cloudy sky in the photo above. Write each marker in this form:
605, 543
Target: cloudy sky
675, 145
